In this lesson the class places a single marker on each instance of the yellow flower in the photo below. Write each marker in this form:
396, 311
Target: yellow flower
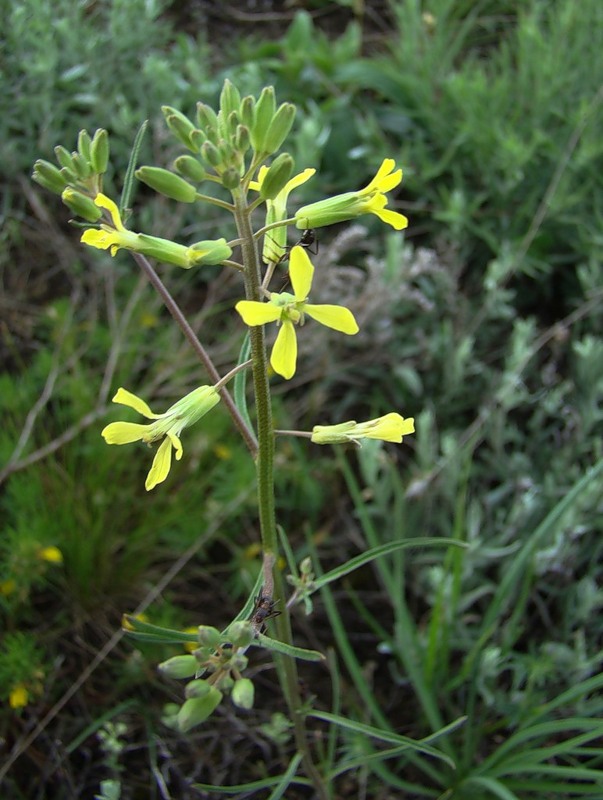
116, 236
168, 426
389, 428
51, 554
19, 696
276, 210
288, 310
370, 200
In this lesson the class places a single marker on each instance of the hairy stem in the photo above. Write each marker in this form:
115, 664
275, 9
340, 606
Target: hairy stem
287, 667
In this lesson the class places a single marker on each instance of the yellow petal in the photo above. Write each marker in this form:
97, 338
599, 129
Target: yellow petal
176, 444
297, 180
255, 313
124, 432
51, 554
126, 398
102, 201
301, 272
161, 465
336, 317
257, 185
284, 352
100, 239
391, 428
386, 167
397, 221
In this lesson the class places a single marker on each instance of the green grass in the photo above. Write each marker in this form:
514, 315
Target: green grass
485, 656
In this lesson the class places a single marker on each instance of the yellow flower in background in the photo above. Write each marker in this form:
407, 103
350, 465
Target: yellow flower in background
288, 310
115, 236
389, 428
167, 427
275, 240
370, 200
51, 554
19, 696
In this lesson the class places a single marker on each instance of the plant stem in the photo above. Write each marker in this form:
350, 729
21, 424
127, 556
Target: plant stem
287, 667
174, 309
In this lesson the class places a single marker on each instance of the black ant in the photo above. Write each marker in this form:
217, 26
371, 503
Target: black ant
263, 610
306, 240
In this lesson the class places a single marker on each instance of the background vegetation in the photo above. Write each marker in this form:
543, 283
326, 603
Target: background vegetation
484, 322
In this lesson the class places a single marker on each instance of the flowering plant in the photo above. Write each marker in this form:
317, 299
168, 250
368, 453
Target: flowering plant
234, 148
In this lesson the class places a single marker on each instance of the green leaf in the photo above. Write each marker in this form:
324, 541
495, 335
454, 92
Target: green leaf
419, 745
126, 194
240, 382
287, 649
147, 632
383, 550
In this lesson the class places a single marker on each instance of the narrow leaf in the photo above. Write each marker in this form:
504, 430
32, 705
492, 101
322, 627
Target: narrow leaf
287, 649
126, 194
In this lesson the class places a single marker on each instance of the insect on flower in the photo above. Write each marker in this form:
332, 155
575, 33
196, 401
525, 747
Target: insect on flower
263, 610
307, 240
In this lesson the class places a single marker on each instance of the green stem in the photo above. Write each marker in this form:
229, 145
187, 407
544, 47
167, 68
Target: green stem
287, 667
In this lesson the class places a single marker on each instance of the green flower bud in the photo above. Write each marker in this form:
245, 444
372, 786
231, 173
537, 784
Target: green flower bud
197, 709
198, 688
210, 251
179, 666
246, 111
64, 158
83, 144
241, 138
207, 120
230, 99
231, 178
211, 154
69, 175
277, 176
81, 167
48, 176
81, 205
166, 183
243, 693
189, 167
99, 151
198, 137
264, 112
208, 636
179, 124
240, 633
279, 127
239, 661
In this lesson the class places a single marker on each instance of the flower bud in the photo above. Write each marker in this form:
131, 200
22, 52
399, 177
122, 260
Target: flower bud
81, 205
198, 688
246, 111
81, 166
240, 633
207, 120
211, 154
48, 176
279, 127
209, 636
264, 112
243, 693
190, 168
197, 139
241, 138
166, 183
99, 151
277, 176
179, 667
230, 99
231, 178
83, 144
64, 158
197, 709
179, 124
211, 251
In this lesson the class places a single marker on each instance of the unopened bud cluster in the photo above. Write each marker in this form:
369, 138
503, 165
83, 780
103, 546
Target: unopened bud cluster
215, 667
